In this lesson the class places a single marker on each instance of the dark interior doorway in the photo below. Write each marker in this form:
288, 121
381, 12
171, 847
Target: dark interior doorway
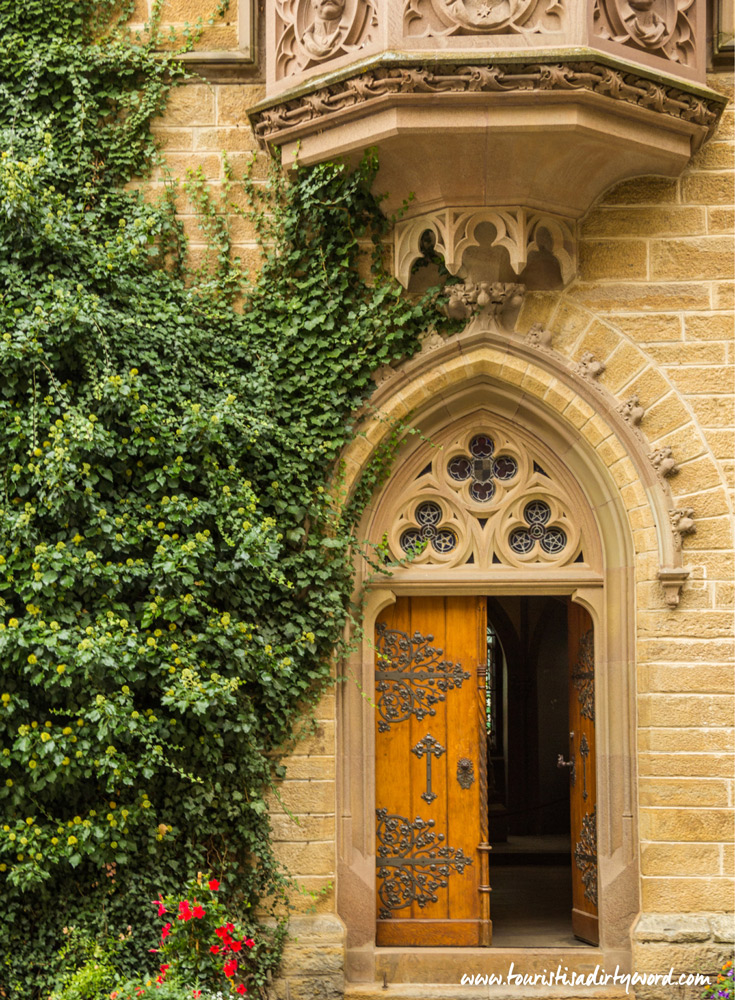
528, 794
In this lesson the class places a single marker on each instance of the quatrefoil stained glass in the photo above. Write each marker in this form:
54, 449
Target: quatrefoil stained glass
482, 466
537, 515
429, 516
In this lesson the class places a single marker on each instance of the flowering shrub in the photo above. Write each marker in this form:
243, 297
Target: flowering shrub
724, 987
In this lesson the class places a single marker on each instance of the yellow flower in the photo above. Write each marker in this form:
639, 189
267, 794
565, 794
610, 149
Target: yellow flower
45, 737
61, 668
9, 782
32, 659
71, 840
5, 699
32, 764
13, 623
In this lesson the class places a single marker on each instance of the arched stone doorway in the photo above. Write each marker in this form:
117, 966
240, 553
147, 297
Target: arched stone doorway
556, 469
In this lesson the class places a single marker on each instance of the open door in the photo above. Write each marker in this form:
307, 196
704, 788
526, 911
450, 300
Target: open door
582, 775
431, 773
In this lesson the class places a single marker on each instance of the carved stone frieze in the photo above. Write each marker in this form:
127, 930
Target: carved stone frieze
309, 32
493, 298
663, 462
663, 28
322, 104
454, 231
432, 18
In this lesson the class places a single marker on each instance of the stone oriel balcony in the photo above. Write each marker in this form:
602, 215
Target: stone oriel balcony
527, 107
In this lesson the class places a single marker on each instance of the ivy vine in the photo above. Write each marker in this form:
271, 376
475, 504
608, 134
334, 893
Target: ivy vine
175, 558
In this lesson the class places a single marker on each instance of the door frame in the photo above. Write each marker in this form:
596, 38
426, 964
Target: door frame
615, 764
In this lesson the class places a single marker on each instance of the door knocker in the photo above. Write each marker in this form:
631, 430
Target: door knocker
465, 772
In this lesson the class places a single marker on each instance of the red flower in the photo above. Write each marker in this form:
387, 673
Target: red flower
196, 993
166, 931
184, 910
214, 949
159, 904
213, 884
164, 969
241, 989
230, 927
230, 967
198, 912
221, 932
248, 942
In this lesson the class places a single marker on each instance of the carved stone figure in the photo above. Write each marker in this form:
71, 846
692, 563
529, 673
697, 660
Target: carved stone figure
538, 336
662, 27
632, 411
589, 366
682, 521
663, 462
322, 36
309, 32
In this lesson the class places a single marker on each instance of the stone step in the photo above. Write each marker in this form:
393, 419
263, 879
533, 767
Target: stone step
445, 991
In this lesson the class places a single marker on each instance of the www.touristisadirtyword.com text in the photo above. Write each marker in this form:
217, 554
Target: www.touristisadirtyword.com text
561, 976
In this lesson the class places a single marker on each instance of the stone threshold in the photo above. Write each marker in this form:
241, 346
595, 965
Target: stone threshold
444, 991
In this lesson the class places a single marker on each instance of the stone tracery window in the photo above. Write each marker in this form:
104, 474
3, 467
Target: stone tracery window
484, 499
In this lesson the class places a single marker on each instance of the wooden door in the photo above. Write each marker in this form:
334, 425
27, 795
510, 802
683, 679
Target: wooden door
582, 777
431, 773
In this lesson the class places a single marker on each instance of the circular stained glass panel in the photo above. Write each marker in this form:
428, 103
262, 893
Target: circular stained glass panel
537, 512
505, 468
520, 541
411, 539
460, 468
554, 540
428, 513
482, 446
444, 540
482, 492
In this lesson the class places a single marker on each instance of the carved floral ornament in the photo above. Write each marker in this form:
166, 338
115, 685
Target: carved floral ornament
664, 28
355, 93
485, 500
310, 32
431, 18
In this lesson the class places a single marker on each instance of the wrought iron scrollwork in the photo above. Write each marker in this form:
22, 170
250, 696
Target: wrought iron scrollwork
585, 855
583, 675
412, 862
411, 677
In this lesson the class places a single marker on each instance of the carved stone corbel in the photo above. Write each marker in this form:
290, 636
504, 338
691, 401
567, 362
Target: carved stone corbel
632, 411
589, 367
682, 523
672, 580
492, 298
539, 337
663, 462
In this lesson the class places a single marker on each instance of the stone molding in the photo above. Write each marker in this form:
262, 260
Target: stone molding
274, 122
668, 32
519, 231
